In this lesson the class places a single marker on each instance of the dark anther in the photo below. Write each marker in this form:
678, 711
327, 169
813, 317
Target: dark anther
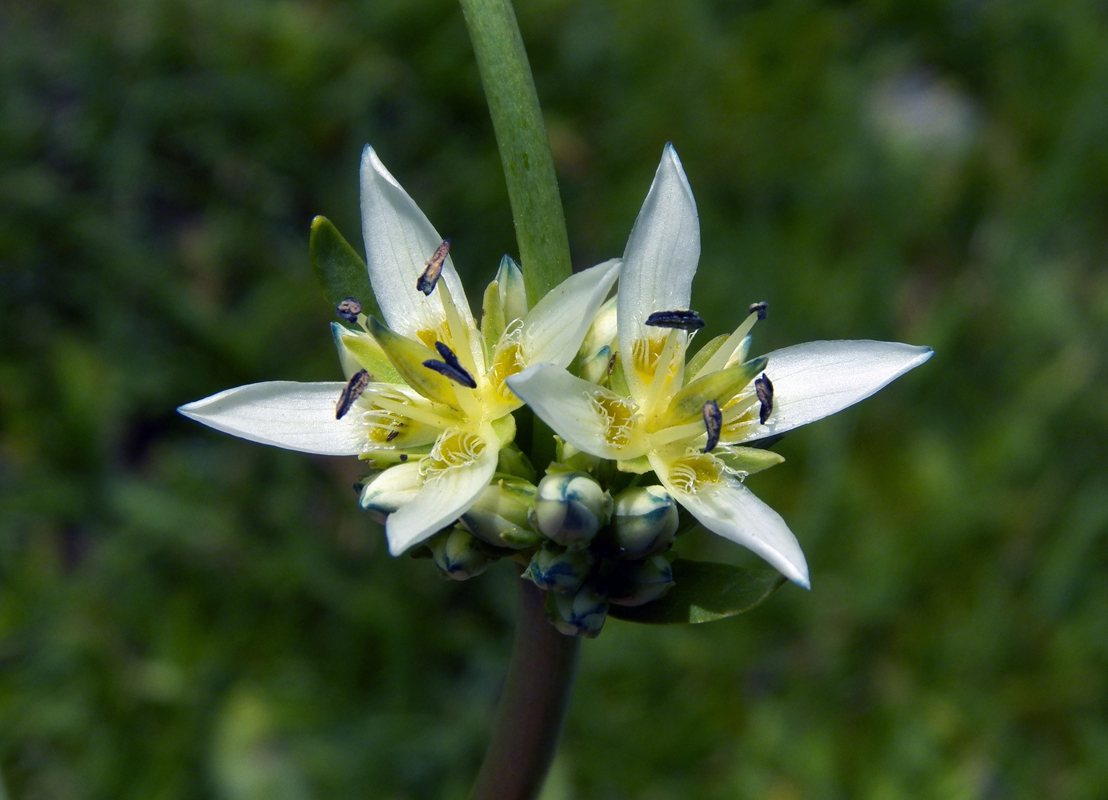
403, 457
392, 435
764, 388
354, 388
760, 309
450, 366
349, 309
612, 363
683, 320
713, 422
430, 276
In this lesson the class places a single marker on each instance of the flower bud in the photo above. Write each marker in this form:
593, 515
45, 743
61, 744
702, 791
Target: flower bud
557, 570
644, 519
500, 515
570, 508
456, 553
390, 489
595, 368
602, 333
580, 614
643, 582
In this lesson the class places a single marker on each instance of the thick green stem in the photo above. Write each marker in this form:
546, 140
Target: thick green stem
532, 706
524, 147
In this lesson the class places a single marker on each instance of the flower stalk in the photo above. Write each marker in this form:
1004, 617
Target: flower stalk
524, 147
532, 706
540, 676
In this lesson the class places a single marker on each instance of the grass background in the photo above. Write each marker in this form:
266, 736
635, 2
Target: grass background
184, 614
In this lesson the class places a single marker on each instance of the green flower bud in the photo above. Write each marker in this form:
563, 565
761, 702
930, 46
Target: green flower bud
457, 554
570, 508
556, 570
513, 461
580, 614
643, 581
390, 489
645, 520
500, 515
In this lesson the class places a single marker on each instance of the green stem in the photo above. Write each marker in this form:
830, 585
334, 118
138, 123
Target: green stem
524, 147
532, 706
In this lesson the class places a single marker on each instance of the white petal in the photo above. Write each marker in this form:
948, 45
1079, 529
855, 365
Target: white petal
817, 379
399, 240
733, 512
661, 255
444, 496
295, 416
568, 405
556, 326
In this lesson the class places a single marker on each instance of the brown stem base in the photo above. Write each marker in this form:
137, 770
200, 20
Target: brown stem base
532, 706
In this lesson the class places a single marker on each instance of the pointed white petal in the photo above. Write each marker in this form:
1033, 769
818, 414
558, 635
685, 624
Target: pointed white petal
295, 416
399, 240
574, 408
444, 496
732, 511
556, 326
817, 379
661, 255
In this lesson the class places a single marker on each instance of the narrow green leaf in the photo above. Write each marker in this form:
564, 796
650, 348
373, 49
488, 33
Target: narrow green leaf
705, 591
338, 267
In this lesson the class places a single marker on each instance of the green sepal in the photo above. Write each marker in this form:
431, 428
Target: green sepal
705, 591
407, 356
637, 465
338, 267
688, 404
492, 316
748, 459
360, 351
697, 362
617, 378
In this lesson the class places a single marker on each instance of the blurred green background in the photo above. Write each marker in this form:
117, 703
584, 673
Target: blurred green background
187, 615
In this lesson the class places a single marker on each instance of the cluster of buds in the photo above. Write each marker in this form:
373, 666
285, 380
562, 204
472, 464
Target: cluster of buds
574, 540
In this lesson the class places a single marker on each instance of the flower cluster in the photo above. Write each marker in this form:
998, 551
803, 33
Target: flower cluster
643, 427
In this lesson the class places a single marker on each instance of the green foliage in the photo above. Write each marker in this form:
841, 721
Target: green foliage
705, 592
184, 614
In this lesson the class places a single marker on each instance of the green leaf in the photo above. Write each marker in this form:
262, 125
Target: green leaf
705, 591
338, 268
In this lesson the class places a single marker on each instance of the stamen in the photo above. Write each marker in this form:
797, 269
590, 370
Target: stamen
354, 388
683, 320
349, 309
713, 423
764, 388
430, 276
759, 308
392, 435
450, 367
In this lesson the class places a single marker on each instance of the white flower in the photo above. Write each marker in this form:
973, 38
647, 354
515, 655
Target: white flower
436, 428
688, 422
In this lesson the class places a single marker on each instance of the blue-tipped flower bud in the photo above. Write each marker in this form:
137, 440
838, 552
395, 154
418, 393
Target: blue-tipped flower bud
390, 489
456, 553
556, 570
570, 508
644, 519
580, 614
643, 582
500, 515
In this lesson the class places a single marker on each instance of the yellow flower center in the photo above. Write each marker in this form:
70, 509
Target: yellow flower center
454, 450
507, 362
618, 417
692, 472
